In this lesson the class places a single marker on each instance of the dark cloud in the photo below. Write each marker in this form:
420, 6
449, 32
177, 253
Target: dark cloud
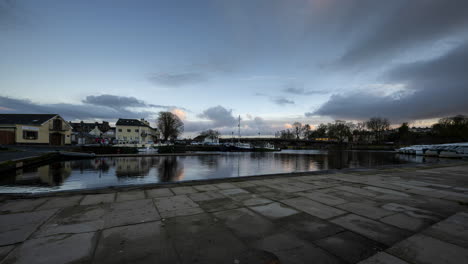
219, 116
434, 88
298, 90
94, 107
113, 101
122, 102
177, 79
68, 111
281, 100
405, 25
308, 114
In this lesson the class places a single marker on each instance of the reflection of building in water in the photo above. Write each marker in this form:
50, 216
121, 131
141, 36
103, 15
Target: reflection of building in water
170, 169
90, 164
53, 174
301, 162
131, 167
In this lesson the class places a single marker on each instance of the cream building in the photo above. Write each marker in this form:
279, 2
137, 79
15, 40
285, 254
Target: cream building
134, 131
45, 129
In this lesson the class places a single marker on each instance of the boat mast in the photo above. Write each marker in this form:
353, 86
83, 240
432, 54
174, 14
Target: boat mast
239, 128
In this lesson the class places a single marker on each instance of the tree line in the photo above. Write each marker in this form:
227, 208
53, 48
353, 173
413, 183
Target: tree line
339, 130
377, 129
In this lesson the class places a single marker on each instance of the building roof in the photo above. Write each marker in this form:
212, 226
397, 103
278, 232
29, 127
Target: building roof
130, 122
87, 127
25, 119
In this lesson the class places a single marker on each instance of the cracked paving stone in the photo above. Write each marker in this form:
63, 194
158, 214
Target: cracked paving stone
308, 227
274, 210
425, 249
21, 205
156, 193
350, 246
313, 208
77, 219
245, 223
130, 195
16, 228
76, 248
93, 199
140, 243
60, 202
383, 258
374, 230
131, 212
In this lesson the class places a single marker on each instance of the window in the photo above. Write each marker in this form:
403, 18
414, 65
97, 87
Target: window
120, 130
129, 130
136, 130
30, 134
57, 124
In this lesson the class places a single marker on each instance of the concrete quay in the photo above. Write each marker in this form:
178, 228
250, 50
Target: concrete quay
397, 215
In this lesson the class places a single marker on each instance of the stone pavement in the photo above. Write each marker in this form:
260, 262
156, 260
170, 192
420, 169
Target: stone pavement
404, 215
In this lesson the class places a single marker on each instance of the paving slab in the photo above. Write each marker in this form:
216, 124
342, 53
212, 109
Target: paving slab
323, 198
60, 202
290, 249
246, 224
183, 190
4, 251
129, 196
131, 212
205, 188
404, 221
313, 208
425, 249
255, 200
225, 185
349, 246
367, 209
21, 205
218, 205
233, 192
374, 230
172, 203
16, 228
93, 199
205, 196
453, 230
359, 191
77, 219
308, 227
274, 210
156, 193
410, 211
383, 258
243, 184
77, 248
386, 191
201, 239
278, 196
292, 187
140, 243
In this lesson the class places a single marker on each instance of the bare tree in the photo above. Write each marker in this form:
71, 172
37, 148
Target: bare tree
169, 125
306, 129
297, 129
339, 130
378, 125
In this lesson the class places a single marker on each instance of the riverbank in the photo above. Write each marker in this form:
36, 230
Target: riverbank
396, 215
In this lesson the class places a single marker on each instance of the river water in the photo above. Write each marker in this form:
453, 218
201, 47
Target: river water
105, 172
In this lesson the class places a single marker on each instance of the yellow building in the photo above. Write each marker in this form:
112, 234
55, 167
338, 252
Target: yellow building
134, 131
44, 129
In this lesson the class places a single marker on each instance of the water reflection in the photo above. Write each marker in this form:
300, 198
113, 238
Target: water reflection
102, 172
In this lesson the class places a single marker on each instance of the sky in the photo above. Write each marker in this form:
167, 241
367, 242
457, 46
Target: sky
271, 62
